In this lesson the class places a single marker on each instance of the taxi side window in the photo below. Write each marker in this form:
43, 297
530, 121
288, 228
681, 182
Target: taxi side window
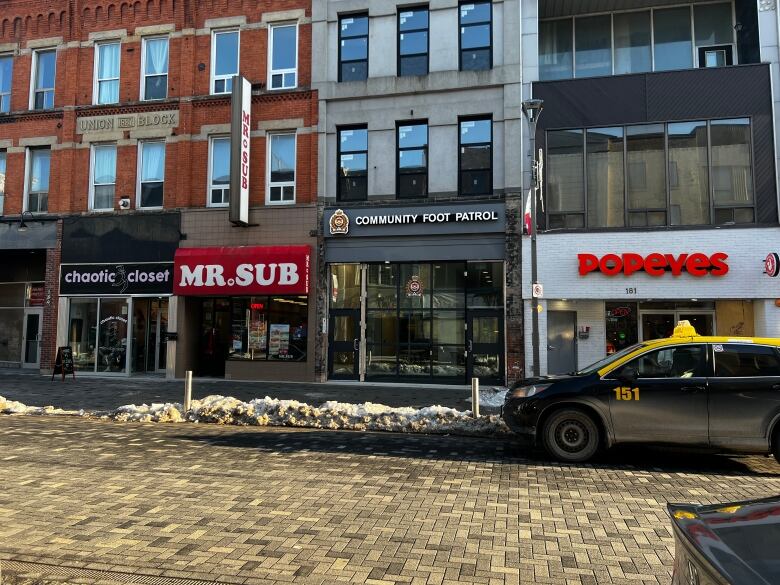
684, 361
745, 361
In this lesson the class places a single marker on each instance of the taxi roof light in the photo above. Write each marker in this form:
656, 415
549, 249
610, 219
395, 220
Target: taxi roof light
684, 329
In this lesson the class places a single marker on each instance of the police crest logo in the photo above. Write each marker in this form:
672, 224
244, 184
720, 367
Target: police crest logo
414, 287
772, 264
339, 223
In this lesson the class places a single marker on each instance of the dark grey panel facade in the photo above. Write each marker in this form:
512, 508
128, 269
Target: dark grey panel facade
416, 249
38, 236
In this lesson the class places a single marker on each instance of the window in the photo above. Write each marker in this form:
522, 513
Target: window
268, 328
6, 75
413, 41
224, 60
353, 47
37, 184
151, 174
412, 178
154, 81
638, 41
284, 56
605, 177
679, 173
2, 179
44, 71
103, 184
353, 164
682, 361
106, 90
281, 168
219, 171
743, 361
475, 36
475, 165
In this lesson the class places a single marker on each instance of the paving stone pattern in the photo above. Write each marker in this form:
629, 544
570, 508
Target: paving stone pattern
271, 505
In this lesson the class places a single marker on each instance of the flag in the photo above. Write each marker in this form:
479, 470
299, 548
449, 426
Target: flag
527, 213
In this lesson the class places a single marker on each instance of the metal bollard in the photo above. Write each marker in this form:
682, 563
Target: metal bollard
475, 396
187, 390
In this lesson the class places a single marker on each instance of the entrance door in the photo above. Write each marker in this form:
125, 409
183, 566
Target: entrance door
561, 342
485, 346
344, 344
659, 324
31, 342
156, 343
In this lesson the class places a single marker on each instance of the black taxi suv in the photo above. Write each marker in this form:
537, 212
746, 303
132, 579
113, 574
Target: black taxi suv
717, 393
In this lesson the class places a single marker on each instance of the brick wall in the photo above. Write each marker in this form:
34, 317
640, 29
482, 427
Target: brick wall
48, 345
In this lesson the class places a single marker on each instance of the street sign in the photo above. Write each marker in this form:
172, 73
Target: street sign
537, 290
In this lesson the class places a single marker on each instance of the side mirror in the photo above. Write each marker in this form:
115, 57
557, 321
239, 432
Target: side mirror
628, 376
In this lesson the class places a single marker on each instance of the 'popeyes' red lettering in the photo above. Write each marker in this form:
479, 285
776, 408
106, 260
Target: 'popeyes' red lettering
655, 264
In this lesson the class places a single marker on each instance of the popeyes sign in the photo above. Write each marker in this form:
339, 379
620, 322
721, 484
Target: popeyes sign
654, 264
246, 270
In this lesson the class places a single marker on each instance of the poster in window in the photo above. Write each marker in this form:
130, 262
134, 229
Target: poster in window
257, 337
279, 344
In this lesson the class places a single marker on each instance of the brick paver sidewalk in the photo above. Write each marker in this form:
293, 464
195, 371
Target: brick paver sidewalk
93, 501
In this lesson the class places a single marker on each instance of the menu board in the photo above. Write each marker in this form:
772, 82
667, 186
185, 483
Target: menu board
279, 343
257, 333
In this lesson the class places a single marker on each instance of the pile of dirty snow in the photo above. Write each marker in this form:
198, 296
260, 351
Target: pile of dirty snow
330, 415
12, 407
491, 397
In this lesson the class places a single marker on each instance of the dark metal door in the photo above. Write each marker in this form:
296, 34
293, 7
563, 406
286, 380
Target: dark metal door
485, 346
344, 344
561, 342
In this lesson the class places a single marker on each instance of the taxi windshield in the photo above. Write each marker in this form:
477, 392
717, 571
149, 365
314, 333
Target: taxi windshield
595, 367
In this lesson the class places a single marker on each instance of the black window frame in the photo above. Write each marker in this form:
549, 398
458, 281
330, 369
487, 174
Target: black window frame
342, 38
398, 149
461, 26
399, 32
339, 130
476, 118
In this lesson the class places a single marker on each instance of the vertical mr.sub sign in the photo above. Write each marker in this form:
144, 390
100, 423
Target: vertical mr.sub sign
240, 130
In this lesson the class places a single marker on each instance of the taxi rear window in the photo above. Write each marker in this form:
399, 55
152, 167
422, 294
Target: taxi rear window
740, 360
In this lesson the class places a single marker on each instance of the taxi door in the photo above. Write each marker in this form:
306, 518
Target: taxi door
661, 397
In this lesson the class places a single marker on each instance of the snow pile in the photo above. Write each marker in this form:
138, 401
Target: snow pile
330, 415
13, 407
491, 397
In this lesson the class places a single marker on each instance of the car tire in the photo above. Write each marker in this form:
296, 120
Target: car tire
571, 436
776, 444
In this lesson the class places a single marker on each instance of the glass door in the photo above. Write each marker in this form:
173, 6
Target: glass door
112, 336
485, 346
33, 319
659, 323
344, 344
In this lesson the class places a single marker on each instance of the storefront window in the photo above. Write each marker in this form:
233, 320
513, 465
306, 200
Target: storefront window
269, 328
82, 333
415, 286
345, 286
381, 284
484, 285
621, 326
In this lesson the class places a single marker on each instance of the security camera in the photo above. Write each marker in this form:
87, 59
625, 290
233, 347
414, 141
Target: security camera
124, 203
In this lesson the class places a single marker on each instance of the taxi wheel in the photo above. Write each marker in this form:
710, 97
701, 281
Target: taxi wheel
571, 435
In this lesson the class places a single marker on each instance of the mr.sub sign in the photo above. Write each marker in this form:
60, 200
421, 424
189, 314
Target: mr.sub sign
655, 264
246, 270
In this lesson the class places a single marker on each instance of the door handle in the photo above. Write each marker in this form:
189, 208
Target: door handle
693, 389
356, 345
469, 346
550, 347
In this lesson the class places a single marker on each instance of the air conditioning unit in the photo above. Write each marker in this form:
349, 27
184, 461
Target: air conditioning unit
124, 203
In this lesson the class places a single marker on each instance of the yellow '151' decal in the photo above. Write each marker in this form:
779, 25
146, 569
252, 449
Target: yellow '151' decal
624, 393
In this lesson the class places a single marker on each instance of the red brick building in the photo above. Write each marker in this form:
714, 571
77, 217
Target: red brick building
114, 151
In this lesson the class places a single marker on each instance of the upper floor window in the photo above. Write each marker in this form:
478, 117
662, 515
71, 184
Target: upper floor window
353, 47
284, 57
413, 41
103, 184
281, 168
476, 36
658, 39
353, 164
224, 60
37, 183
6, 73
43, 72
2, 180
219, 171
475, 161
680, 173
154, 67
106, 90
151, 175
412, 177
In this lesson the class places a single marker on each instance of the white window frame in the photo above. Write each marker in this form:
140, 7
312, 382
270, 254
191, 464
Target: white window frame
214, 77
209, 186
283, 184
92, 176
96, 80
10, 91
139, 169
27, 171
271, 70
144, 40
34, 74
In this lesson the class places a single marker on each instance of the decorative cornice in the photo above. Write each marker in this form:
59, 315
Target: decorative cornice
24, 115
126, 108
